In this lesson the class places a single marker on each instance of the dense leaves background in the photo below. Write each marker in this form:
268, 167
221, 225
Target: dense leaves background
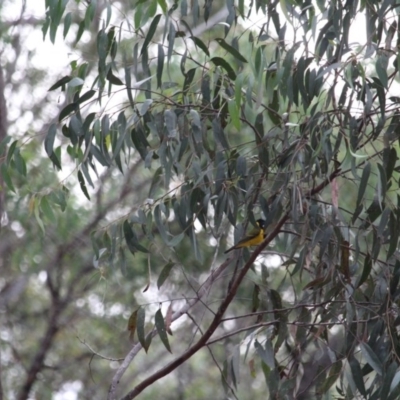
176, 125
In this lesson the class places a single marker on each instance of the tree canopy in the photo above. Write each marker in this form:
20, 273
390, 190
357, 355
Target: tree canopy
174, 128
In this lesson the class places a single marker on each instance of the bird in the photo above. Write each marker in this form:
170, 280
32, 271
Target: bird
253, 238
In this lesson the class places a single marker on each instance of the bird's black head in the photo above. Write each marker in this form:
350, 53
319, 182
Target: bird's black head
261, 223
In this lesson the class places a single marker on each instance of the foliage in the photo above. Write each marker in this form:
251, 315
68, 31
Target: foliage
211, 127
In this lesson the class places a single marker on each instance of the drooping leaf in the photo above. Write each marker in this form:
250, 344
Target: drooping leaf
219, 133
68, 109
132, 324
363, 182
49, 140
220, 62
82, 183
357, 375
165, 273
113, 79
46, 209
371, 358
199, 43
6, 177
160, 65
151, 32
131, 239
230, 49
140, 324
86, 96
170, 123
61, 83
266, 353
161, 329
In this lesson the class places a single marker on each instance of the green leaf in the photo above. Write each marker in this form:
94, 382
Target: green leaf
3, 146
139, 141
165, 273
86, 96
266, 354
207, 9
82, 183
140, 323
170, 123
46, 209
238, 90
176, 240
132, 323
36, 212
19, 162
366, 270
231, 50
363, 182
60, 197
163, 5
90, 13
220, 62
395, 385
99, 156
81, 29
113, 79
67, 23
381, 69
371, 358
390, 162
160, 225
160, 325
145, 107
151, 32
171, 40
68, 109
219, 133
131, 239
258, 60
160, 64
382, 184
189, 79
357, 375
200, 43
49, 140
6, 177
11, 151
62, 82
234, 113
241, 166
109, 13
388, 379
75, 125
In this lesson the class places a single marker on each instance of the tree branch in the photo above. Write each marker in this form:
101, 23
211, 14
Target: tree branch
135, 350
218, 316
38, 361
214, 324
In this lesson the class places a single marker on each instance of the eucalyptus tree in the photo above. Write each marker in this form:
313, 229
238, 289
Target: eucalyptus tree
194, 120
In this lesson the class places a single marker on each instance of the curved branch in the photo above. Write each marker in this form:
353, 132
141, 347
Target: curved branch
137, 347
214, 324
218, 316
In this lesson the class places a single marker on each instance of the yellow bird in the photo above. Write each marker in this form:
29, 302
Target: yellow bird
253, 238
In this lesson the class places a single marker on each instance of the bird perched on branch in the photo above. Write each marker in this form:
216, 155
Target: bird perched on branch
253, 238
